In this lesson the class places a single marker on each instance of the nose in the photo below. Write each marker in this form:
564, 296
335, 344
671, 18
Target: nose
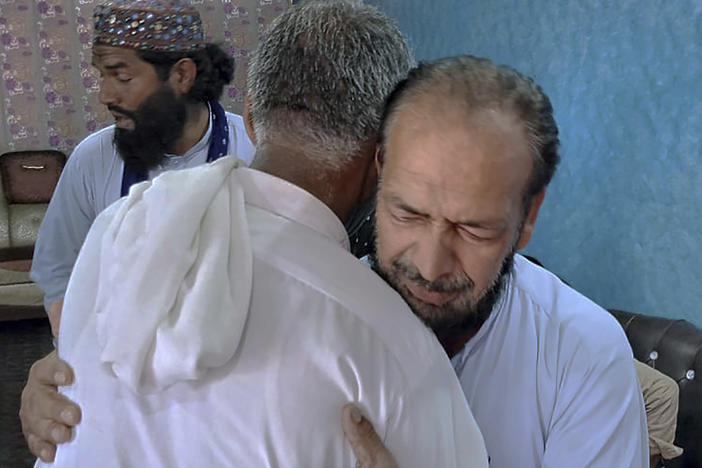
434, 255
107, 95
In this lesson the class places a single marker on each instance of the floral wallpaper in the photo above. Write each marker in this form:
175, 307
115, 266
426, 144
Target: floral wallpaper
48, 89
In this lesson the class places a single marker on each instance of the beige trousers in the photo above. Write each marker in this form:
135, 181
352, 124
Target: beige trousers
660, 394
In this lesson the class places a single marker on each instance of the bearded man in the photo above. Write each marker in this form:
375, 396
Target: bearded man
467, 151
161, 82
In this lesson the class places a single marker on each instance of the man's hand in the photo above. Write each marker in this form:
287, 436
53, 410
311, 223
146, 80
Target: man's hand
367, 446
46, 415
54, 314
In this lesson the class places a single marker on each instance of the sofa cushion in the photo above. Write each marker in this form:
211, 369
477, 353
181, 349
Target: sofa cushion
23, 294
8, 277
24, 223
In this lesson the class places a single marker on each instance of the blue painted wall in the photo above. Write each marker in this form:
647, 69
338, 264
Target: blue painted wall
622, 221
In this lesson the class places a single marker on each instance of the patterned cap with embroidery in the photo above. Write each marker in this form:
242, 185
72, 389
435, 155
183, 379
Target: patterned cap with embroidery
158, 25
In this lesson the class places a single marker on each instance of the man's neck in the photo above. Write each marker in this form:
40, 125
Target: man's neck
196, 125
332, 187
453, 342
454, 339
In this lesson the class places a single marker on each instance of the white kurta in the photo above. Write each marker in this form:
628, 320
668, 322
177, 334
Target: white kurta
91, 181
321, 330
550, 379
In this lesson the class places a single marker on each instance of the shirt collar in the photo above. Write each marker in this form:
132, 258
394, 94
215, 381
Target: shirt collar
202, 144
290, 201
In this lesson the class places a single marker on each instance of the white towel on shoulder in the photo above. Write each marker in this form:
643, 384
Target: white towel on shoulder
175, 277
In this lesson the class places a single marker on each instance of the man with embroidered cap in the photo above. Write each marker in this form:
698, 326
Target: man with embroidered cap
161, 82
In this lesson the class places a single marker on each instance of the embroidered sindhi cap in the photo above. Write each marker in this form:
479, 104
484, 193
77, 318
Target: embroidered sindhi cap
158, 25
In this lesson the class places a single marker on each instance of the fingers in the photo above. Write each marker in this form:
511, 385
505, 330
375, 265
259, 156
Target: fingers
365, 443
44, 451
46, 415
53, 417
50, 404
43, 435
50, 370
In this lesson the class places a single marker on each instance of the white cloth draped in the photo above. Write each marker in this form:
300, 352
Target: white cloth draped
165, 283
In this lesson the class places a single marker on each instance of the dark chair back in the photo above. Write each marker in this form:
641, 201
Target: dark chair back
674, 347
30, 176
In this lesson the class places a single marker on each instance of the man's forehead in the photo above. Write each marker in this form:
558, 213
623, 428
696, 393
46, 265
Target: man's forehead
418, 112
102, 53
447, 150
440, 116
415, 107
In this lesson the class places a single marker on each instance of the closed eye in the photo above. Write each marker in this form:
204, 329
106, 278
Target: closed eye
121, 77
406, 218
478, 234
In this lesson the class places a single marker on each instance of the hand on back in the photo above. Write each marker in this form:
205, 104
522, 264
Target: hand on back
367, 446
47, 416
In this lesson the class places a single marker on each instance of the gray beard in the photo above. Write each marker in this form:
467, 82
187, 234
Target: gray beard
448, 319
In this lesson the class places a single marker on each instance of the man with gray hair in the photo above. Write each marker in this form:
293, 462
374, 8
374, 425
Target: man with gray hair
241, 324
468, 149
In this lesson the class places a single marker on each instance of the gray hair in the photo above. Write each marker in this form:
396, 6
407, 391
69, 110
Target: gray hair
321, 74
478, 84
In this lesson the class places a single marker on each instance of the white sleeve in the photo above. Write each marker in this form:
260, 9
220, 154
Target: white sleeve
434, 426
65, 225
599, 419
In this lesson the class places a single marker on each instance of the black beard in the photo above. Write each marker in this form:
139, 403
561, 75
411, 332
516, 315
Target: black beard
451, 319
158, 123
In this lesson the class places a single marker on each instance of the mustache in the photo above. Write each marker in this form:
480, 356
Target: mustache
443, 284
120, 110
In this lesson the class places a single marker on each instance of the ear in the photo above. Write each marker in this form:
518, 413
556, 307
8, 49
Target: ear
182, 76
378, 160
530, 219
248, 120
370, 178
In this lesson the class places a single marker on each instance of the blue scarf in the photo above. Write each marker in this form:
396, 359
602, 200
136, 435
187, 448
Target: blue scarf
219, 142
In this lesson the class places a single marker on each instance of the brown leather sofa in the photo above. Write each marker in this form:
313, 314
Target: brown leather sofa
27, 181
674, 347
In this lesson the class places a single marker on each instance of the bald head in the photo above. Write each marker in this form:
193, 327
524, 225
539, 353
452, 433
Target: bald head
475, 91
